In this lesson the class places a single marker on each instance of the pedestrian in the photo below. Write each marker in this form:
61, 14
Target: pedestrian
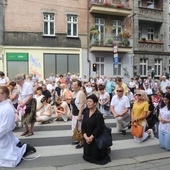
164, 123
120, 109
92, 127
139, 113
10, 153
27, 102
78, 103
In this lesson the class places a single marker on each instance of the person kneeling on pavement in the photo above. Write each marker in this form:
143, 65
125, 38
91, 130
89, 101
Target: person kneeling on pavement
11, 149
120, 109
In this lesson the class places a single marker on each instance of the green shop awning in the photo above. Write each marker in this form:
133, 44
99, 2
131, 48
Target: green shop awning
17, 56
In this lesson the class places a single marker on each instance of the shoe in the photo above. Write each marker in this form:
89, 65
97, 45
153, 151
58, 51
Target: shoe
30, 149
151, 134
29, 134
24, 133
123, 133
79, 146
75, 143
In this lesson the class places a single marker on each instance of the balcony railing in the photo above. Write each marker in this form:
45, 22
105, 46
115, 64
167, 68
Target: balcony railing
112, 7
150, 13
150, 45
109, 40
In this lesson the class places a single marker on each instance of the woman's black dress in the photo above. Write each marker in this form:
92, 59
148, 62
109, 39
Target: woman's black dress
94, 126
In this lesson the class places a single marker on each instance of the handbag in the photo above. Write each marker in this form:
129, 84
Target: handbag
137, 130
77, 135
106, 107
104, 140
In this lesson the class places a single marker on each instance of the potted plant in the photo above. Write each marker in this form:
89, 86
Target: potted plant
109, 42
143, 38
107, 3
94, 31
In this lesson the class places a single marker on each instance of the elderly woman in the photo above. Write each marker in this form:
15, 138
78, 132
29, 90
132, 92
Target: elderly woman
27, 103
139, 113
11, 150
92, 127
78, 103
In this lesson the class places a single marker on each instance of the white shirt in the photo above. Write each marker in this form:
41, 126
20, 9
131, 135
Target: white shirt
120, 103
10, 154
26, 90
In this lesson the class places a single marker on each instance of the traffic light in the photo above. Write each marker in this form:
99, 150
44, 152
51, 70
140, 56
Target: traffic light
94, 67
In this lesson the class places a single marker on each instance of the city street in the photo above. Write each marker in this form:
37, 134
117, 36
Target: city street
53, 144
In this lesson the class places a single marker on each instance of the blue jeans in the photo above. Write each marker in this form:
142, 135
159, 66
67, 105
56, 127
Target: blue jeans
164, 140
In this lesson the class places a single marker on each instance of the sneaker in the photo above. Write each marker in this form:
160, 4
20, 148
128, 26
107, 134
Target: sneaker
123, 133
151, 134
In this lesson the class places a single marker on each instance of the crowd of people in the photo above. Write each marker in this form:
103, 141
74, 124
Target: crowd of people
88, 102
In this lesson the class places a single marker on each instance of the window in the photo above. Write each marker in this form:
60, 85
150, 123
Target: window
72, 25
158, 67
150, 4
139, 3
117, 27
143, 67
150, 33
53, 63
100, 25
139, 33
117, 71
100, 65
49, 21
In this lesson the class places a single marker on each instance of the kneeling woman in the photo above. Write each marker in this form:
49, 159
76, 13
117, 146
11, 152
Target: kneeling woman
46, 113
92, 127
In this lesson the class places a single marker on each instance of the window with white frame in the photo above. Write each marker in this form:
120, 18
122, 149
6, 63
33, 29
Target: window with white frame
150, 4
100, 25
117, 69
49, 24
117, 27
158, 67
72, 25
143, 67
100, 65
150, 33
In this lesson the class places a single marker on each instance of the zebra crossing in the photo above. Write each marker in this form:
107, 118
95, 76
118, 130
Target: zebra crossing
53, 144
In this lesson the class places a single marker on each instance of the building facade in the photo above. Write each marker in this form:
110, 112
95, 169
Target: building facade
43, 37
151, 37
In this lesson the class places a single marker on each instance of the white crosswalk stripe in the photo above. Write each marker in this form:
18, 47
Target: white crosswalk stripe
68, 149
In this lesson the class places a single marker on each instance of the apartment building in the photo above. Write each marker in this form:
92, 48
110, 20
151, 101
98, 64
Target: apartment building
111, 38
151, 37
44, 37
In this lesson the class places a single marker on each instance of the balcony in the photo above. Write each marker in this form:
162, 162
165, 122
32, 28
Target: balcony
110, 7
150, 14
107, 42
150, 45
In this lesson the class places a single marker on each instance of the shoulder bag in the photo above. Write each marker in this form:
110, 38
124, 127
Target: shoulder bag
137, 130
77, 135
104, 140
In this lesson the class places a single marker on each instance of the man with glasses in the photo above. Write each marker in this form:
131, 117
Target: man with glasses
120, 109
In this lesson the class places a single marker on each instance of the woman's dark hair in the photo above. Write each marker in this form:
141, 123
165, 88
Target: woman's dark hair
5, 90
101, 87
43, 99
95, 86
167, 96
12, 83
2, 73
78, 83
39, 88
93, 97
